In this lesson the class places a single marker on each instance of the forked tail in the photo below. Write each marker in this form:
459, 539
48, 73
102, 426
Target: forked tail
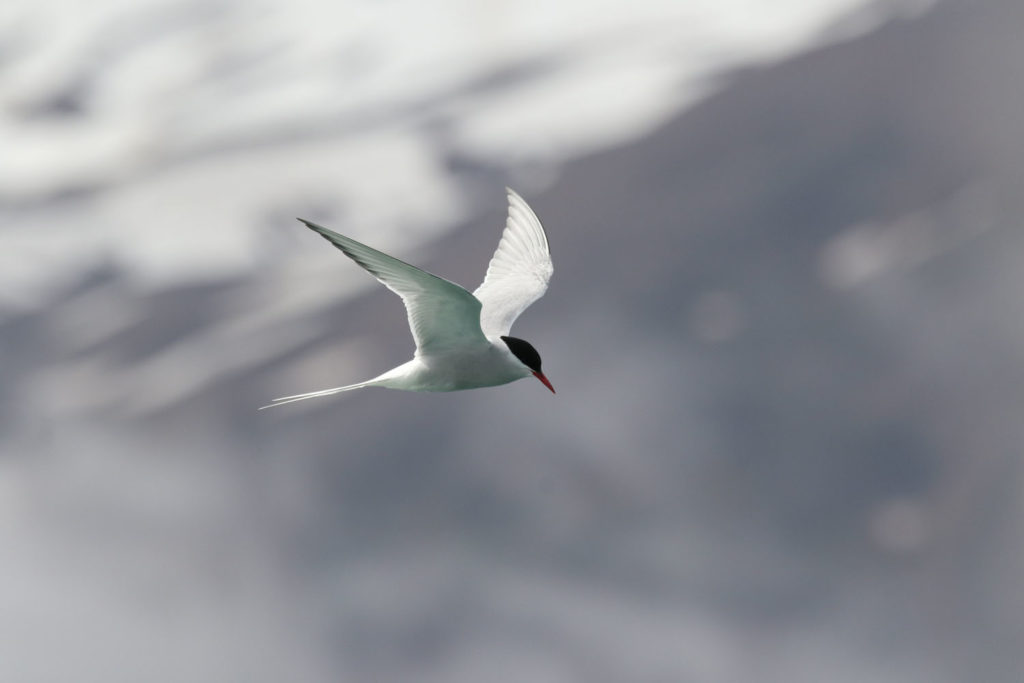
314, 394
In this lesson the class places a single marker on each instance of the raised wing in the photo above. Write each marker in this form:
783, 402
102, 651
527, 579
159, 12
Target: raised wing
519, 271
442, 315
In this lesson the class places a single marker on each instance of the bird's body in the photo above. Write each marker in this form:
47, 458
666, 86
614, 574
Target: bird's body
461, 338
484, 366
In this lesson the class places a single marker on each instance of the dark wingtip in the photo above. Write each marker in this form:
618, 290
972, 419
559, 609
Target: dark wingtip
319, 229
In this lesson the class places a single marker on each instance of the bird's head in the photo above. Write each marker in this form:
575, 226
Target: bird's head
528, 356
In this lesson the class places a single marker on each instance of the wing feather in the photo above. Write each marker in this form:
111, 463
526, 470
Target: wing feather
442, 315
519, 271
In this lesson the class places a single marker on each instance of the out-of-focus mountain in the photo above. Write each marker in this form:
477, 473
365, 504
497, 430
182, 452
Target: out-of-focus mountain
786, 444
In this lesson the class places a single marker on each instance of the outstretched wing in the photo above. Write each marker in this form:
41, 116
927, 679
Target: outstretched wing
442, 315
519, 271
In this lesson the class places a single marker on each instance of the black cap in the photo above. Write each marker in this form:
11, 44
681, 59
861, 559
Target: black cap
524, 351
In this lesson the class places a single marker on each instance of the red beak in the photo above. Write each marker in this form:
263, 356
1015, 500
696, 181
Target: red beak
544, 380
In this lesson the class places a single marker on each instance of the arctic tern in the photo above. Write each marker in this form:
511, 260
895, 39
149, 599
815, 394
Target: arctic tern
461, 339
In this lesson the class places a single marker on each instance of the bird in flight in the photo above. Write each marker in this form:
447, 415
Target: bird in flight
462, 339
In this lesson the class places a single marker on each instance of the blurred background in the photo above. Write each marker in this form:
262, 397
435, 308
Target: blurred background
785, 327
